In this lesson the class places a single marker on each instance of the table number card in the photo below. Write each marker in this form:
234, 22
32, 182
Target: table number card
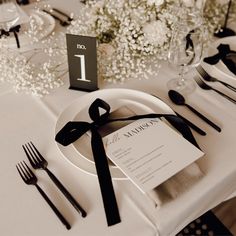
149, 152
82, 60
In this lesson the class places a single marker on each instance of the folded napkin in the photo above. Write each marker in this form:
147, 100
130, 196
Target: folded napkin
176, 185
226, 55
12, 16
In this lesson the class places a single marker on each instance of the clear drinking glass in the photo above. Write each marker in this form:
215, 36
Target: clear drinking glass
9, 14
185, 51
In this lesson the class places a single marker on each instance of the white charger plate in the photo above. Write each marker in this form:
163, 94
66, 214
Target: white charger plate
79, 154
219, 70
44, 25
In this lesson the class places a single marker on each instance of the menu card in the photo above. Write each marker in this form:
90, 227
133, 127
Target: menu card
148, 152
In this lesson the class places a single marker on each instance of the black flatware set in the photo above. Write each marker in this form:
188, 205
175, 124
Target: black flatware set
202, 81
37, 161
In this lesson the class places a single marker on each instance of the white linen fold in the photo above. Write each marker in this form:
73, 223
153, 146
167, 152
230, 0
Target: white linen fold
175, 185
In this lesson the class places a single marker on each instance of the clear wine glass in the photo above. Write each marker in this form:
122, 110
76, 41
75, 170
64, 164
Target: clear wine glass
9, 14
185, 51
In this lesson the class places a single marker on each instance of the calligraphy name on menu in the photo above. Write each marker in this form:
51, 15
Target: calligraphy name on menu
140, 128
130, 133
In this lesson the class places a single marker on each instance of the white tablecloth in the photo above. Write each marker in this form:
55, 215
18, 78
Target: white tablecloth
25, 118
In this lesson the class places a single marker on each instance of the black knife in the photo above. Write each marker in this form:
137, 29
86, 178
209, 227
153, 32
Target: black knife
62, 22
190, 124
62, 13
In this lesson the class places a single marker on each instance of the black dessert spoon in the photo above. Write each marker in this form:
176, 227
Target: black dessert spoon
179, 99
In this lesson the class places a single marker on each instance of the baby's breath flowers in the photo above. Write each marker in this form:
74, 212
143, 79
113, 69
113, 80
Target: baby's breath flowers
134, 35
37, 68
26, 76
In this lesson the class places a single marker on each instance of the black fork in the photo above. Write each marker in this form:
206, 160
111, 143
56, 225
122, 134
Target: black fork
205, 86
209, 78
38, 162
30, 178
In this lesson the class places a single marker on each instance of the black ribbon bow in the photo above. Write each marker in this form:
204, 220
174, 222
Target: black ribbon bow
73, 130
226, 55
189, 41
15, 30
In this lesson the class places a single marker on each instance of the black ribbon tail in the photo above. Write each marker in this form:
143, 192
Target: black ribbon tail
183, 128
104, 178
17, 39
71, 132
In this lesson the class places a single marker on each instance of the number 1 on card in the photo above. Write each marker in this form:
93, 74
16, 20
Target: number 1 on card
82, 67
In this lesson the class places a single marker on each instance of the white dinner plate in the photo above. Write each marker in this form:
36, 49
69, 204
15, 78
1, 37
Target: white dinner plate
79, 153
219, 69
43, 25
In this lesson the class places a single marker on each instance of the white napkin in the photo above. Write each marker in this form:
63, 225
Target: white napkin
11, 15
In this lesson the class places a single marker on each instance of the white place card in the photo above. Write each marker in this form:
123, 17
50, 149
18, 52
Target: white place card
149, 152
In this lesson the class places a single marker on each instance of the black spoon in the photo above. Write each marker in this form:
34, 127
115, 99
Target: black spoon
178, 99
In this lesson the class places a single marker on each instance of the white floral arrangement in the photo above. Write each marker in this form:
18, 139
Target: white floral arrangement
25, 72
39, 67
134, 35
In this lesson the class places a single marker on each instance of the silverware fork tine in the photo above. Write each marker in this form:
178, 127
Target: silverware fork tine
201, 84
26, 174
35, 158
38, 162
209, 78
203, 73
30, 178
205, 86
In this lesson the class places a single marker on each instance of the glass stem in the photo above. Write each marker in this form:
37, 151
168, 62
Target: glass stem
181, 80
